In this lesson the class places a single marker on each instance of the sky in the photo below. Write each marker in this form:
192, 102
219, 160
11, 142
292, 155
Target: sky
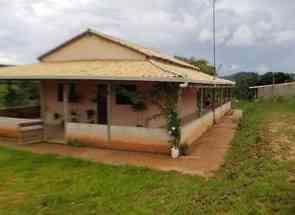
252, 35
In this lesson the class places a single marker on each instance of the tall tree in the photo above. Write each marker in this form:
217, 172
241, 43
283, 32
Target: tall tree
203, 64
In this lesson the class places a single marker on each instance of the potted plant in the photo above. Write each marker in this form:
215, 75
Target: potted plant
175, 152
174, 131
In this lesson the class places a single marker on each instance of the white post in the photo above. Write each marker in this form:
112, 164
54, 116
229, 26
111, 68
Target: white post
42, 94
109, 109
66, 105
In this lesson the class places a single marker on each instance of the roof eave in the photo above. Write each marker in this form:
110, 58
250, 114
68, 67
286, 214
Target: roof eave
178, 80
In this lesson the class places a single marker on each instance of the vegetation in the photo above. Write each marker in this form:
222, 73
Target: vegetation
253, 180
167, 92
203, 64
244, 80
18, 94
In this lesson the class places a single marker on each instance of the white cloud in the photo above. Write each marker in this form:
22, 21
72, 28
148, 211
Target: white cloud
242, 37
248, 32
205, 35
284, 37
8, 59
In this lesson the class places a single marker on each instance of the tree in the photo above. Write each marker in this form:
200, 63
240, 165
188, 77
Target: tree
203, 64
22, 93
279, 77
243, 82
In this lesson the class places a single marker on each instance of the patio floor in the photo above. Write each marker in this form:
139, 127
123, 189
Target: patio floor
206, 157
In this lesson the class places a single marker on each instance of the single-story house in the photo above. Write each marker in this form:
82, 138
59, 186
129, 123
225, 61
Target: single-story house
101, 91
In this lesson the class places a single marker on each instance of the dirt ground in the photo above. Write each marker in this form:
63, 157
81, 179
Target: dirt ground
280, 136
206, 156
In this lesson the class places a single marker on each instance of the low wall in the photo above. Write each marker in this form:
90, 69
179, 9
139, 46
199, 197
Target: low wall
139, 139
122, 137
193, 130
10, 127
268, 91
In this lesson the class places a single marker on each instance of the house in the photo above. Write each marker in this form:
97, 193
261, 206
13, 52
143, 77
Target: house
273, 90
101, 91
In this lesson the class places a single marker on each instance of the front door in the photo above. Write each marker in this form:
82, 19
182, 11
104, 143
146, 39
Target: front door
102, 107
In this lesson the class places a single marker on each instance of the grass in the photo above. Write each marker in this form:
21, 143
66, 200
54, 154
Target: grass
252, 181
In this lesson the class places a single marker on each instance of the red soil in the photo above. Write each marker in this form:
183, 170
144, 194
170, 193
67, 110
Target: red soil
206, 156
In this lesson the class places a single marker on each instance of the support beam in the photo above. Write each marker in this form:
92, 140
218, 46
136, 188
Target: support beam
109, 109
66, 104
214, 104
201, 100
42, 94
179, 103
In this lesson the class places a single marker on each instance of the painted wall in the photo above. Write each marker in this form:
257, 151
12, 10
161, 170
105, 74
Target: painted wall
193, 130
283, 90
140, 139
121, 114
123, 137
91, 47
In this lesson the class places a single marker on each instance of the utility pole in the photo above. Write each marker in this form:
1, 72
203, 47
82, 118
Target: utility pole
214, 59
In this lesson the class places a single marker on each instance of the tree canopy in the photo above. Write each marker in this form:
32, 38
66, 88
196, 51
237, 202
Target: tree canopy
203, 64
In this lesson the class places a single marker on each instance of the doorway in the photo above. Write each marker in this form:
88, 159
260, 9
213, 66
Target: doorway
102, 106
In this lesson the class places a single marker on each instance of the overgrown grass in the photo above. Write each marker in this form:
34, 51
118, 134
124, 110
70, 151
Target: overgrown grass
252, 181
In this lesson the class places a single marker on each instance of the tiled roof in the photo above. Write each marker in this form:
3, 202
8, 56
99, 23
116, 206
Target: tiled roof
148, 70
191, 75
145, 51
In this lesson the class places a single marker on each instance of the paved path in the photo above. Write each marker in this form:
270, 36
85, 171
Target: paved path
207, 154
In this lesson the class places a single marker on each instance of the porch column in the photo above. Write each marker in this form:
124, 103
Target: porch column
42, 95
214, 103
221, 96
201, 100
179, 103
66, 104
109, 108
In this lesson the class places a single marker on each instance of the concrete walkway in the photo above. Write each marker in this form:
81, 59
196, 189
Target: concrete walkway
206, 157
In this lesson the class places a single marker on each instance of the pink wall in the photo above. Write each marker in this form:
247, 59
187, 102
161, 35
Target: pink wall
189, 102
121, 114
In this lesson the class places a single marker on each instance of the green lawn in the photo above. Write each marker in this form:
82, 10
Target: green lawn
258, 177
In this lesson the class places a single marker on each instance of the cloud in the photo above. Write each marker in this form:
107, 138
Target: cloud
8, 59
251, 35
285, 37
242, 37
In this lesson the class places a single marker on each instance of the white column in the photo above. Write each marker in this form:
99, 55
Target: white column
109, 109
66, 104
42, 94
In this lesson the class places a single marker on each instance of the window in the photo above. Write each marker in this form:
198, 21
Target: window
124, 93
60, 92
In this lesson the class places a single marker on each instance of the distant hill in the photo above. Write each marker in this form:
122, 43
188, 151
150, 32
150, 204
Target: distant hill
240, 75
